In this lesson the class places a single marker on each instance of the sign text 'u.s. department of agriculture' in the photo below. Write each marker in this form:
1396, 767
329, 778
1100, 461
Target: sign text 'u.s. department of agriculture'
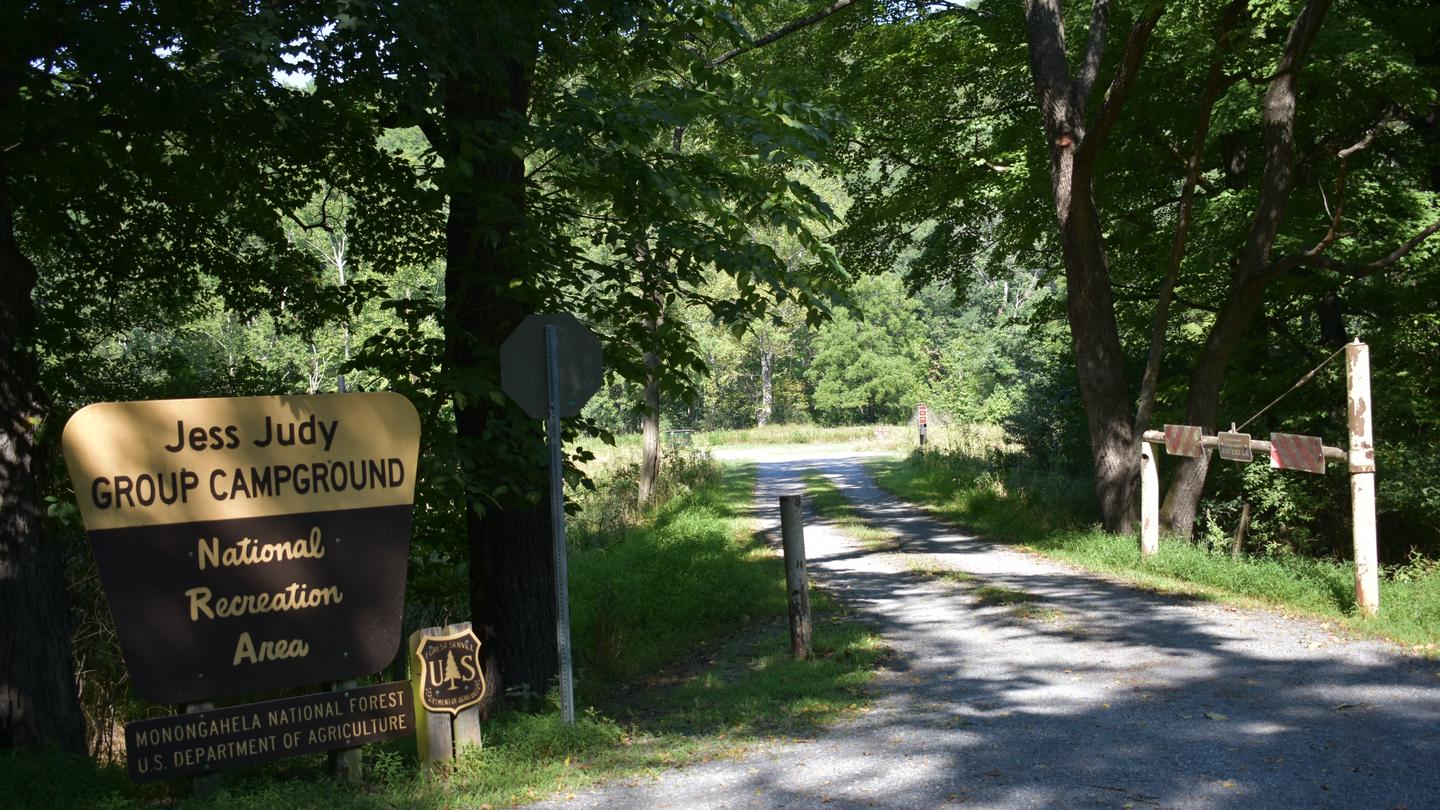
204, 742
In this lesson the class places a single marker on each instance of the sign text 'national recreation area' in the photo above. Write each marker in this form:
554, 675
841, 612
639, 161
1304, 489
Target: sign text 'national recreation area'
249, 543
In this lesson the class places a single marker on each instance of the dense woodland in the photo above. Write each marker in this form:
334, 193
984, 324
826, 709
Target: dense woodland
1072, 220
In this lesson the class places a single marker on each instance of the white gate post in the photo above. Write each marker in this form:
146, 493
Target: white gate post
1362, 477
1149, 501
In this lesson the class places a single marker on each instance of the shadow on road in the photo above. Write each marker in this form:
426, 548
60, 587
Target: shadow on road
1120, 697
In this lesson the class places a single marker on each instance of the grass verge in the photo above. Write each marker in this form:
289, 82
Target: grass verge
829, 502
681, 616
1040, 510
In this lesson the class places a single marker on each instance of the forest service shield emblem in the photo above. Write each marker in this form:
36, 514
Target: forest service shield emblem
452, 678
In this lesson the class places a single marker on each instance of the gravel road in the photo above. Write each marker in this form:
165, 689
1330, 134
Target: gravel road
1088, 694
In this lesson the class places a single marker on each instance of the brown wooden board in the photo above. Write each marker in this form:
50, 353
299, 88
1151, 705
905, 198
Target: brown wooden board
923, 414
170, 611
1235, 446
234, 736
249, 543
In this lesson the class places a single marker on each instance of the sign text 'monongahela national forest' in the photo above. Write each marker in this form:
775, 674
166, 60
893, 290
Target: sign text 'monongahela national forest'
249, 543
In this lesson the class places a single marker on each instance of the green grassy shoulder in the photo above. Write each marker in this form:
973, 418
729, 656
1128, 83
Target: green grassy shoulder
828, 501
1040, 510
682, 656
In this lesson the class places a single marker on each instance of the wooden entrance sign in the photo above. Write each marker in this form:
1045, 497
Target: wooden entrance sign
249, 543
206, 741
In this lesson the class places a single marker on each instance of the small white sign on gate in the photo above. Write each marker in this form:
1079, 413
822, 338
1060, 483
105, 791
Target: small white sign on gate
1235, 447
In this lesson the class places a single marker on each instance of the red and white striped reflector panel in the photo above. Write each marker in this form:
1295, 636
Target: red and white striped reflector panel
1289, 451
1183, 440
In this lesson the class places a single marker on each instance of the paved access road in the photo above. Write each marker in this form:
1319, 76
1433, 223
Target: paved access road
1092, 695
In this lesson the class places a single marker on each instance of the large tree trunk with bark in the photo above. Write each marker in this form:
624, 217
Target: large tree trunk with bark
38, 701
512, 583
1101, 366
1074, 143
1254, 269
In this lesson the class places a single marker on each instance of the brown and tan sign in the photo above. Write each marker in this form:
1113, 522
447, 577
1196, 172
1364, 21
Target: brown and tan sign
248, 543
452, 677
204, 742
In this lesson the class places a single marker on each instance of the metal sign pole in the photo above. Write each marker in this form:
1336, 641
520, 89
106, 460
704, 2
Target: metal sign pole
557, 528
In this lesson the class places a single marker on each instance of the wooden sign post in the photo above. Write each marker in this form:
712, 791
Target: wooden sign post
1362, 477
1149, 502
797, 587
447, 674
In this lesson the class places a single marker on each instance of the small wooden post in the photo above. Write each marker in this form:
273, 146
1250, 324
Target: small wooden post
1362, 477
1237, 546
210, 782
344, 764
792, 537
440, 736
1149, 501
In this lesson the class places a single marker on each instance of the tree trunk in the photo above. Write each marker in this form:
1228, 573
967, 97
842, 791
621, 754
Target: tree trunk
1095, 340
1095, 337
650, 431
1214, 84
1332, 320
1183, 497
650, 419
1182, 500
767, 390
512, 584
38, 701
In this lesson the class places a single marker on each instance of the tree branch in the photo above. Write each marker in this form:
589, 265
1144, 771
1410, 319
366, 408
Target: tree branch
1109, 111
783, 31
1343, 155
1278, 119
1045, 31
1357, 270
1214, 83
1180, 157
1094, 51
